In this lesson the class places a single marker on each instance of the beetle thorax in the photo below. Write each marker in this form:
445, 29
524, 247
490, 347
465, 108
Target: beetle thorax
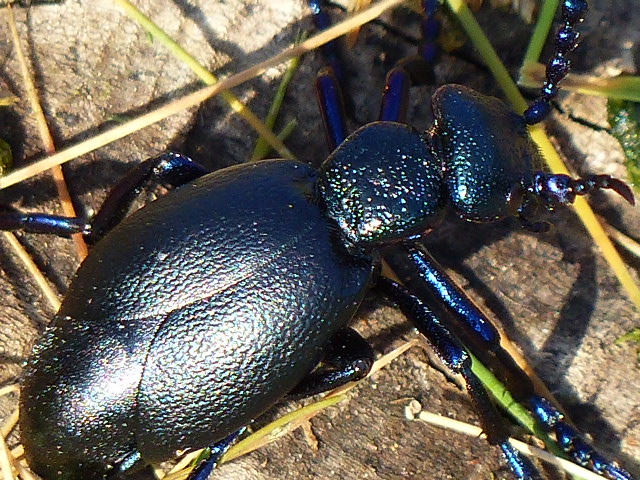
382, 184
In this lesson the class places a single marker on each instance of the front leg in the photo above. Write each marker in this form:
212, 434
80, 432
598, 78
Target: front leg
457, 359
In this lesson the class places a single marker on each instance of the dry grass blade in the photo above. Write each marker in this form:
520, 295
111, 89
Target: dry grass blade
629, 244
207, 77
6, 390
5, 461
623, 87
32, 268
9, 424
414, 411
6, 458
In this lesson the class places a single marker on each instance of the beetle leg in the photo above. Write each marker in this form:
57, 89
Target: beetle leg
421, 273
13, 219
331, 79
396, 96
218, 449
349, 358
331, 51
419, 67
172, 169
457, 359
331, 105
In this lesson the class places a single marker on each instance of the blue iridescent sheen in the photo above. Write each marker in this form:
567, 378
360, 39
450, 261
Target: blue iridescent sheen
331, 108
395, 97
571, 442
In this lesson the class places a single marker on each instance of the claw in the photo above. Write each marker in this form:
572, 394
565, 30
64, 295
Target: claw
615, 184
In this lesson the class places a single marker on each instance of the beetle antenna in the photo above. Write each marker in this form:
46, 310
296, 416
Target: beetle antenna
559, 188
573, 12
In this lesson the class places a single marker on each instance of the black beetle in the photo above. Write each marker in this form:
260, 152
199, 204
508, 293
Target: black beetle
266, 184
202, 309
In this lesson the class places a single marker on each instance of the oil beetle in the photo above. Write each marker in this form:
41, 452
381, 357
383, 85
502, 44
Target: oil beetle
293, 191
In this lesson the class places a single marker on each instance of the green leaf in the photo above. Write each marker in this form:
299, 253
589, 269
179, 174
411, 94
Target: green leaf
624, 118
632, 336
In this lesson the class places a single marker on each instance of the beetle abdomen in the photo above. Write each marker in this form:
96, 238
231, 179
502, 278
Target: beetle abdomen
79, 395
204, 308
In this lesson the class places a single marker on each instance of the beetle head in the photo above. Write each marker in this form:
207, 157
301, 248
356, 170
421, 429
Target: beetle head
489, 156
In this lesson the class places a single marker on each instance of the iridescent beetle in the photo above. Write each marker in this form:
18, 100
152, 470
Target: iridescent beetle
240, 282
